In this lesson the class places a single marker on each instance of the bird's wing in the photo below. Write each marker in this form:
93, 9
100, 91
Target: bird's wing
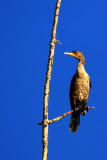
72, 88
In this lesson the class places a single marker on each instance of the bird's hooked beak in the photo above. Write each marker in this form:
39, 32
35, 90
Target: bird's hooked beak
71, 54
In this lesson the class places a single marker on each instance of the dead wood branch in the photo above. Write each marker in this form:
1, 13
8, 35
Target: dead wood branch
60, 117
67, 113
47, 83
70, 112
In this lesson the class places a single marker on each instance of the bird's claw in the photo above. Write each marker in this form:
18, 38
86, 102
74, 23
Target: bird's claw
76, 109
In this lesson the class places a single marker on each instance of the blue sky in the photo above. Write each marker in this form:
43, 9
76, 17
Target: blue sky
25, 33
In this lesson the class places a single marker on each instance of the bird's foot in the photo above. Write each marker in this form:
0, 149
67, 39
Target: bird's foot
77, 109
86, 110
84, 113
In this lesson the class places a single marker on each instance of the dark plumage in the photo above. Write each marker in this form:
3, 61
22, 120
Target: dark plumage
79, 90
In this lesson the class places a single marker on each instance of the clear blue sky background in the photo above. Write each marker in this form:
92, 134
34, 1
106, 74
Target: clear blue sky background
25, 32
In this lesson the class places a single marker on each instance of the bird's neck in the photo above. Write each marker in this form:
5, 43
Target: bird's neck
80, 68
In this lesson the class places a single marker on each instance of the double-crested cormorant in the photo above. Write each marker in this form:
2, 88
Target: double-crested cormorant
79, 90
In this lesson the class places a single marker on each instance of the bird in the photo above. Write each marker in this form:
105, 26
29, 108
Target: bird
79, 90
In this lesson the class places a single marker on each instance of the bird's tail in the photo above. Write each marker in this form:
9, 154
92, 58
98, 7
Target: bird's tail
74, 122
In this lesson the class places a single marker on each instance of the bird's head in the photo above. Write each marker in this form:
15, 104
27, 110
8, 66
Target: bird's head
78, 55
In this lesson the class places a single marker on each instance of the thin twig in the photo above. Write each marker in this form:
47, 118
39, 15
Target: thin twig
65, 114
57, 41
60, 117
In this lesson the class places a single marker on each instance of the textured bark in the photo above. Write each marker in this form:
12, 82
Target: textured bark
48, 77
60, 117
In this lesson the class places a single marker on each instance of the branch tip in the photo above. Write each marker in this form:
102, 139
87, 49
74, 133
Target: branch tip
40, 123
57, 41
91, 107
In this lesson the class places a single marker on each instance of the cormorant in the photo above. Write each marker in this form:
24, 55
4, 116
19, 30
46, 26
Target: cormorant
79, 90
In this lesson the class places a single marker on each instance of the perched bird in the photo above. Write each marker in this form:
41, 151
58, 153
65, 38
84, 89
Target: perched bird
79, 90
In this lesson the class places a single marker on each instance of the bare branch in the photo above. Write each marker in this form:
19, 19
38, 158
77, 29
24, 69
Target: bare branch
70, 112
47, 83
67, 113
60, 117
